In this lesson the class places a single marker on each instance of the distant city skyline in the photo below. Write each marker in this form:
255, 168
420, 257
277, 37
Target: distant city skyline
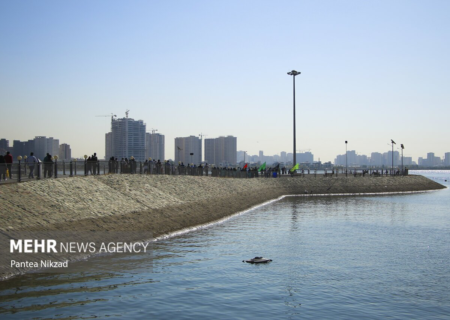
41, 145
370, 72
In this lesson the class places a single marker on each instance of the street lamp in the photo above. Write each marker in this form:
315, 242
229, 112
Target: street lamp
20, 159
75, 160
56, 166
85, 165
201, 135
392, 143
294, 73
403, 147
25, 164
346, 164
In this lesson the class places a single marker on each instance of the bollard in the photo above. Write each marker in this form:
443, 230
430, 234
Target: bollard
56, 168
71, 169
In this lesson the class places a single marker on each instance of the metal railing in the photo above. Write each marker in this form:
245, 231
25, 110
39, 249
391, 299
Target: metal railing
20, 171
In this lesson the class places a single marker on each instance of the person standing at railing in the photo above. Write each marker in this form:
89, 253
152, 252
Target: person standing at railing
146, 166
158, 167
48, 164
2, 167
94, 161
133, 165
111, 165
9, 161
31, 161
89, 166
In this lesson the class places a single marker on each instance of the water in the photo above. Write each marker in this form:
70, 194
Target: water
371, 257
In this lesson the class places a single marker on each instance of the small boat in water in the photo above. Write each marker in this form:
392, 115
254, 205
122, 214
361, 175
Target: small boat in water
257, 260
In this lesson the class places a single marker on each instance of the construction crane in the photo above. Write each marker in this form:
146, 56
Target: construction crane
126, 112
112, 115
154, 130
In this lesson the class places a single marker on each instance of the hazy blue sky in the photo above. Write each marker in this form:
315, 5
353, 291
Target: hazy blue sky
371, 71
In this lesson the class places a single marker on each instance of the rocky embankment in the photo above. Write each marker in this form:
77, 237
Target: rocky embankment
160, 205
164, 204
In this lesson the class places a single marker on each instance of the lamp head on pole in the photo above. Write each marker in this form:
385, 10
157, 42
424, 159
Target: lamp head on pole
293, 73
345, 141
403, 147
392, 141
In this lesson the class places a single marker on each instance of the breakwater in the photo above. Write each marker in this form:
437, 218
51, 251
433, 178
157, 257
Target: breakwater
160, 204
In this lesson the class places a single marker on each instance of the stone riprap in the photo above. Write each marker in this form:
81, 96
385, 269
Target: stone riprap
41, 204
160, 204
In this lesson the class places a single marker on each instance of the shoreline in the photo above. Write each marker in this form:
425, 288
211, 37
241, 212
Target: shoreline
163, 205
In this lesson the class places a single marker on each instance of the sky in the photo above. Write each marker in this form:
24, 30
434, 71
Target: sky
371, 71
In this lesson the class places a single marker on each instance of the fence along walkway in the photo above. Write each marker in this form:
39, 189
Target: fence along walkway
21, 171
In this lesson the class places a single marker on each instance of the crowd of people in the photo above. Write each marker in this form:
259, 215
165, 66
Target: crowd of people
125, 165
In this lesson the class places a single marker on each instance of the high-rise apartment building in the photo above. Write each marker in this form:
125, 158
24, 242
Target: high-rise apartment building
65, 153
376, 159
210, 151
154, 146
305, 157
40, 147
407, 161
44, 145
4, 146
241, 155
283, 157
290, 157
221, 151
127, 139
23, 148
447, 159
188, 150
109, 146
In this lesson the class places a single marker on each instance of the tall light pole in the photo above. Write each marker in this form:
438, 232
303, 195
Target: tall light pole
155, 155
294, 73
392, 142
403, 147
346, 166
201, 135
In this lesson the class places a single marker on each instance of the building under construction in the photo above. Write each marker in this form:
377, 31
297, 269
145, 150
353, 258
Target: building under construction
126, 139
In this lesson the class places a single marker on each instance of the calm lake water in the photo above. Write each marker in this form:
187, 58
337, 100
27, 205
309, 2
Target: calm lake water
351, 257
